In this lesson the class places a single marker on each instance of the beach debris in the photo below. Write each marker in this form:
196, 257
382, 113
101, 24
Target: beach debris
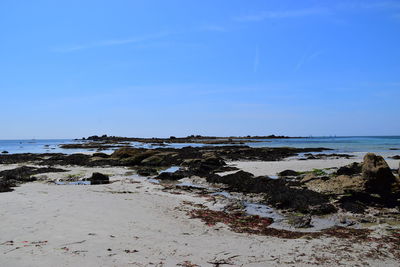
327, 156
11, 250
73, 243
8, 243
73, 183
131, 250
187, 264
25, 244
238, 221
219, 262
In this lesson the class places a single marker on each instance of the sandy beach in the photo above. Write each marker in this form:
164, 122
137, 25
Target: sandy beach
133, 222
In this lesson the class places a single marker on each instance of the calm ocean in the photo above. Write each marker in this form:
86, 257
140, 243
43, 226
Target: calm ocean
386, 144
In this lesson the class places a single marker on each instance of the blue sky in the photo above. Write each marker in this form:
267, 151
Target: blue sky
226, 67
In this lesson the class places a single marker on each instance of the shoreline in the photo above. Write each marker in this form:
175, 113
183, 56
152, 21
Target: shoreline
203, 211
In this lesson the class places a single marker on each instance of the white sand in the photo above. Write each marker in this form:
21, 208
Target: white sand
94, 225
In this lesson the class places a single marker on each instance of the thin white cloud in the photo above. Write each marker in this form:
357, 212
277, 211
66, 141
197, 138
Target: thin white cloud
283, 14
306, 58
114, 42
256, 60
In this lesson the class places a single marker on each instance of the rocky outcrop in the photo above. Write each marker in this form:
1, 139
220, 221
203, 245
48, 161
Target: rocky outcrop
354, 168
25, 173
204, 166
278, 192
241, 181
10, 178
336, 184
125, 152
379, 177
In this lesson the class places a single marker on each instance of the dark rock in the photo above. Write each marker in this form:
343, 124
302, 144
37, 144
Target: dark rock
5, 186
241, 181
280, 195
125, 152
379, 176
76, 159
322, 209
22, 158
204, 166
160, 159
99, 178
354, 168
395, 157
172, 176
353, 206
147, 171
100, 155
4, 152
288, 173
137, 158
301, 221
24, 173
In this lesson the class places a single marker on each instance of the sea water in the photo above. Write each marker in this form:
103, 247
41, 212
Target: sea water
346, 144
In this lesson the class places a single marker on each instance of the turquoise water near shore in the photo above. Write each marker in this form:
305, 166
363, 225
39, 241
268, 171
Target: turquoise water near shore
338, 144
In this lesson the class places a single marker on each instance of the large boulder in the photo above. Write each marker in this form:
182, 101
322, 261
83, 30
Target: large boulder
379, 177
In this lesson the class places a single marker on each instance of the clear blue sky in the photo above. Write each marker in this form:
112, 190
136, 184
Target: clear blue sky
159, 68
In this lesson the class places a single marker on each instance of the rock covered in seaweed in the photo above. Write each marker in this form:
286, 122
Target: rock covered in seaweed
379, 177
